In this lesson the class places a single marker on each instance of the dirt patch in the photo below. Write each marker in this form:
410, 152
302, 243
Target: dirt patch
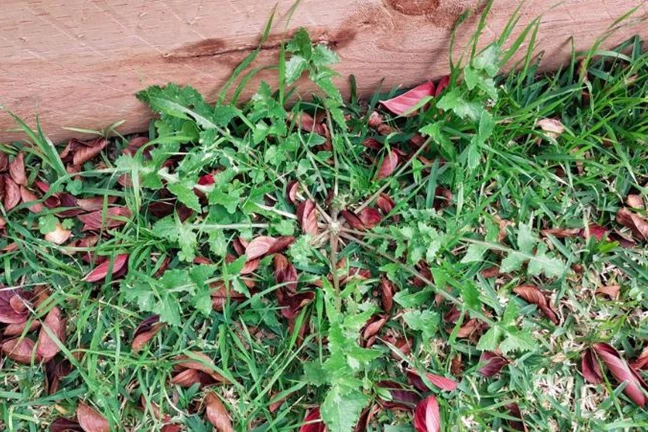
441, 13
414, 7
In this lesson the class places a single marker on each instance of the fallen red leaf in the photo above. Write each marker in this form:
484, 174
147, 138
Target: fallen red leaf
17, 170
12, 193
402, 399
594, 230
281, 244
313, 422
388, 166
19, 328
145, 331
47, 346
13, 306
532, 294
27, 197
373, 327
427, 417
114, 217
635, 201
59, 236
65, 425
217, 413
387, 289
54, 372
285, 273
370, 217
220, 295
402, 104
637, 224
492, 363
291, 191
201, 369
88, 150
96, 203
611, 291
514, 411
552, 127
90, 420
353, 220
438, 381
291, 305
590, 368
259, 246
442, 85
641, 362
307, 217
20, 350
635, 385
101, 271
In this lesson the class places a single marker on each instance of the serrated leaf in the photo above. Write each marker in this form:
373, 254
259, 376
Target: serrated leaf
474, 253
183, 190
341, 410
427, 322
490, 340
518, 341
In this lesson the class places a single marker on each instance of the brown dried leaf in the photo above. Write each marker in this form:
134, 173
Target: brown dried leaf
65, 425
370, 217
427, 417
11, 193
27, 197
442, 199
532, 294
353, 220
88, 151
637, 224
4, 162
217, 413
259, 247
95, 203
53, 324
90, 420
373, 327
291, 191
13, 309
514, 411
402, 399
492, 363
114, 217
635, 385
101, 271
59, 236
590, 368
437, 381
612, 291
19, 328
313, 422
145, 331
200, 362
285, 273
281, 244
17, 170
635, 201
388, 289
641, 362
552, 127
388, 165
20, 350
54, 372
307, 217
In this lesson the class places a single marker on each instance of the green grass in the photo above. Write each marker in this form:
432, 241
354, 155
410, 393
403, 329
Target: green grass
482, 143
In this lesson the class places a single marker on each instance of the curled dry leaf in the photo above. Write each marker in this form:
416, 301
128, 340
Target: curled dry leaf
387, 289
27, 197
491, 272
307, 217
402, 104
514, 411
562, 232
17, 170
427, 417
281, 244
285, 273
101, 271
611, 291
635, 201
388, 165
11, 194
622, 372
90, 420
95, 203
590, 367
291, 305
65, 425
353, 220
88, 150
438, 381
492, 363
372, 143
20, 328
220, 294
374, 325
641, 362
217, 413
21, 350
637, 224
594, 230
532, 294
292, 188
13, 306
54, 372
307, 123
4, 161
53, 327
59, 236
313, 422
197, 368
259, 247
552, 127
402, 399
442, 198
99, 220
442, 85
370, 217
145, 331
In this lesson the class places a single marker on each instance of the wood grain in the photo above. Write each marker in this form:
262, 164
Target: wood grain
78, 62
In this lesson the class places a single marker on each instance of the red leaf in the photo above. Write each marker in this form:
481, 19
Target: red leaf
594, 230
401, 398
12, 193
217, 413
291, 191
313, 422
427, 417
20, 350
114, 217
370, 217
611, 291
101, 271
388, 165
387, 288
531, 294
562, 232
281, 244
201, 363
622, 372
285, 273
95, 203
65, 425
373, 327
307, 217
402, 104
47, 346
637, 224
514, 411
590, 368
19, 328
353, 220
28, 196
372, 143
442, 198
492, 363
635, 201
17, 170
442, 85
13, 309
641, 362
90, 420
88, 150
259, 246
292, 304
438, 381
145, 331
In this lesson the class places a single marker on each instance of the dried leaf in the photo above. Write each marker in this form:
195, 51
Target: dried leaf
47, 346
491, 272
552, 127
623, 373
90, 420
17, 170
401, 398
388, 166
492, 363
590, 368
307, 217
372, 143
438, 381
514, 411
637, 224
370, 217
353, 220
281, 244
27, 197
19, 328
220, 295
532, 294
88, 151
59, 236
307, 123
313, 422
594, 230
202, 363
217, 413
285, 273
145, 331
402, 104
635, 201
292, 304
12, 194
259, 247
562, 232
611, 291
95, 203
442, 85
641, 362
4, 161
65, 425
442, 198
114, 217
101, 271
291, 191
427, 417
13, 309
387, 289
373, 327
20, 350
54, 372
